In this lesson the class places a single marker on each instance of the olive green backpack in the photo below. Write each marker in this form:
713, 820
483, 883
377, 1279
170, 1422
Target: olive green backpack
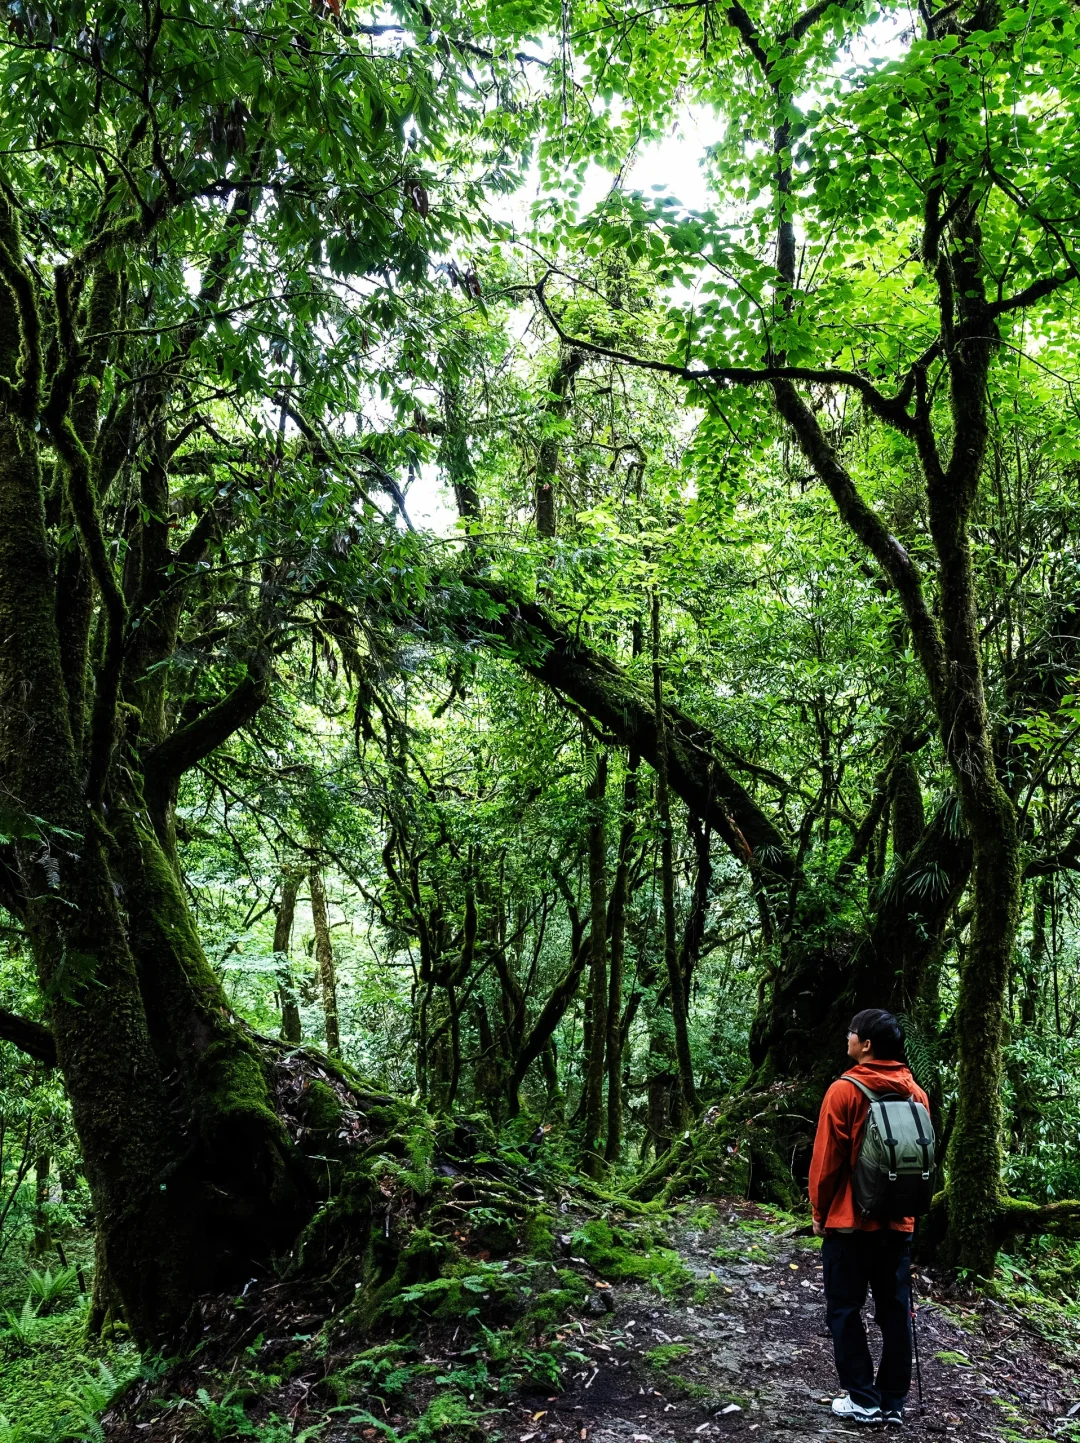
894, 1171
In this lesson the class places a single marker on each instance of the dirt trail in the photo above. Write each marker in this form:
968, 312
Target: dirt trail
750, 1360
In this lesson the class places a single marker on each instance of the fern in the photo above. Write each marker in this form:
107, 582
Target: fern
18, 1432
48, 1287
932, 881
922, 1050
23, 1327
86, 1399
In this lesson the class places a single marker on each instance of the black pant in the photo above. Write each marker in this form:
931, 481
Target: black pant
853, 1262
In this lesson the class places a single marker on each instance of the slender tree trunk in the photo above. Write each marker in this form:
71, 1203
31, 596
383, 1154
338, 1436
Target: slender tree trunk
549, 1061
689, 1102
42, 1234
283, 926
617, 926
324, 955
488, 1073
598, 981
694, 930
1029, 997
547, 461
454, 451
455, 1048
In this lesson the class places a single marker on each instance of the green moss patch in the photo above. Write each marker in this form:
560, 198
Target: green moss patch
622, 1255
666, 1354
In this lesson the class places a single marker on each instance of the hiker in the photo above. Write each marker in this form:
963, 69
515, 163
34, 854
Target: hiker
857, 1193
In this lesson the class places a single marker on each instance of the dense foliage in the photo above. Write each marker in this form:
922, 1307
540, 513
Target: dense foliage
554, 650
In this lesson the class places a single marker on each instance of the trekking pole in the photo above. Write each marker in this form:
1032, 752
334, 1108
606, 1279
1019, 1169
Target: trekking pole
915, 1340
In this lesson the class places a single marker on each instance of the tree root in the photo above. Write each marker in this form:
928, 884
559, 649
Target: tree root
746, 1147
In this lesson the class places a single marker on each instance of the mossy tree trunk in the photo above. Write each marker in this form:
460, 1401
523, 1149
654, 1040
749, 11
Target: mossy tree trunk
193, 1180
685, 1103
42, 1233
324, 956
947, 645
1031, 989
553, 413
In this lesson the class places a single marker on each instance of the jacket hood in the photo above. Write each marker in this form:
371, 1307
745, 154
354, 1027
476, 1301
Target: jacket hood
884, 1076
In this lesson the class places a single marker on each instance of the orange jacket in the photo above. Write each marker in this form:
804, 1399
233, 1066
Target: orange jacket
836, 1145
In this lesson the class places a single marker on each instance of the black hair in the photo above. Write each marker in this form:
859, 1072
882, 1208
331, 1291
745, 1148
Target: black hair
882, 1031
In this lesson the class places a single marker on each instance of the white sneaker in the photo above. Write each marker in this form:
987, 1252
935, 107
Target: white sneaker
853, 1412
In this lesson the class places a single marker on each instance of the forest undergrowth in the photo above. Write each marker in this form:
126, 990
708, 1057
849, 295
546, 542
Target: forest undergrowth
462, 1285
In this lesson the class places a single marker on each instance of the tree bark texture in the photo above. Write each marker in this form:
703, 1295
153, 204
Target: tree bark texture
291, 1030
620, 894
555, 410
324, 956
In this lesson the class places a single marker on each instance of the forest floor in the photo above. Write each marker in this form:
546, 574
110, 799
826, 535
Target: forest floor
719, 1336
735, 1350
755, 1363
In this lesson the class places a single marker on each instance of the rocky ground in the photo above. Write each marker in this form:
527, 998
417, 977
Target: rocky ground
751, 1358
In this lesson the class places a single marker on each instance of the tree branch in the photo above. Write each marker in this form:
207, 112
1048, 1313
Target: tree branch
1065, 859
1061, 1219
33, 1038
868, 526
1030, 294
190, 744
890, 409
604, 691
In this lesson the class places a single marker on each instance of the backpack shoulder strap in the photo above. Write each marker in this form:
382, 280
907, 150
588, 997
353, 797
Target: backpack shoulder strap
872, 1096
886, 1127
867, 1092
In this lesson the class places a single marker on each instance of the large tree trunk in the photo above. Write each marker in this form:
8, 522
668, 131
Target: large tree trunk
192, 1178
73, 920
